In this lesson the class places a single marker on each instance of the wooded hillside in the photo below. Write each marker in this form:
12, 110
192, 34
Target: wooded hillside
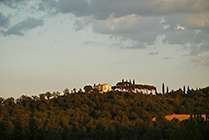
112, 115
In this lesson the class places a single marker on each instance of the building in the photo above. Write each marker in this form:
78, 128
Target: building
103, 88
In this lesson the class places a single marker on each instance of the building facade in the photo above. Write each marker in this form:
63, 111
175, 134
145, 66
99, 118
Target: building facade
103, 88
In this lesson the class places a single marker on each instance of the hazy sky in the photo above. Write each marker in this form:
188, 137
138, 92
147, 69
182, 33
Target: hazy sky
49, 45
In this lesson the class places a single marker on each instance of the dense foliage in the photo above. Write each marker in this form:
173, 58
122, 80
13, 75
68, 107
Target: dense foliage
112, 115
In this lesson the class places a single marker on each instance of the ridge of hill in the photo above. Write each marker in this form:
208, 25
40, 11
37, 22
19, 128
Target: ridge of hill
112, 115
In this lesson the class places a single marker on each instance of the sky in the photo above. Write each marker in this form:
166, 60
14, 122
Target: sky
50, 45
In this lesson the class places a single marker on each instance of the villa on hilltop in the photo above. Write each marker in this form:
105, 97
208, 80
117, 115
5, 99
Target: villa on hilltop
103, 88
124, 86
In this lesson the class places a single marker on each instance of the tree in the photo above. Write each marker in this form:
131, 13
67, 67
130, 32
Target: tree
9, 101
48, 95
87, 88
167, 90
80, 90
6, 128
42, 96
188, 89
163, 88
25, 100
35, 98
195, 128
184, 89
55, 94
1, 100
66, 91
74, 90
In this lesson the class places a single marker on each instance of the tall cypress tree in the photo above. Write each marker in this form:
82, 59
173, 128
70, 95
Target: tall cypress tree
184, 89
188, 89
163, 88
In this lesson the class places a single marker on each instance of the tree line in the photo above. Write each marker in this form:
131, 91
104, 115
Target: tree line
112, 115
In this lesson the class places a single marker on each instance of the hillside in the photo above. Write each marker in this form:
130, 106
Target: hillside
112, 115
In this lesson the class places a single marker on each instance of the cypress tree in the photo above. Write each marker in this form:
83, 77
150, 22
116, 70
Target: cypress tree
188, 89
163, 88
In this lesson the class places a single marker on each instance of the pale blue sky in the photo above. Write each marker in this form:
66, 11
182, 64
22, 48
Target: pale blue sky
55, 44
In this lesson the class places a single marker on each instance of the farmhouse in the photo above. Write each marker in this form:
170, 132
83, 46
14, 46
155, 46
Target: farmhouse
103, 88
125, 85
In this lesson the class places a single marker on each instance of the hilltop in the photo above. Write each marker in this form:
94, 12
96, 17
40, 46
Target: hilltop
111, 115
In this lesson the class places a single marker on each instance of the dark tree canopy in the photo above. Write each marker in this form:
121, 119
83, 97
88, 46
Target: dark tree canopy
87, 88
112, 115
